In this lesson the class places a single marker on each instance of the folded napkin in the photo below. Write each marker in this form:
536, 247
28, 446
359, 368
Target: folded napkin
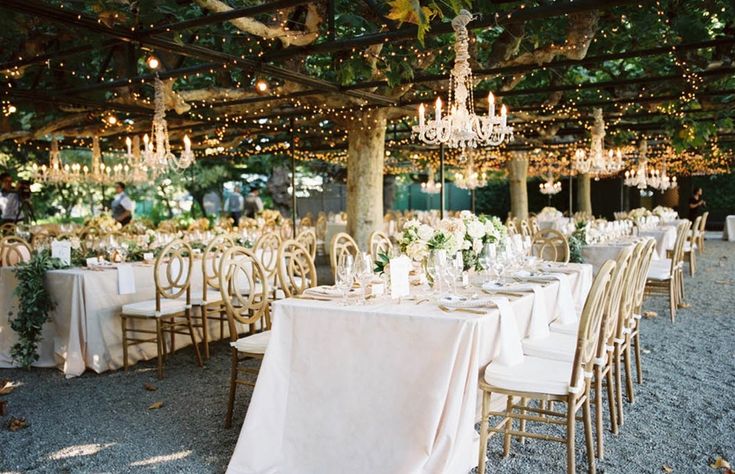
125, 279
539, 326
328, 291
565, 308
515, 286
454, 301
510, 351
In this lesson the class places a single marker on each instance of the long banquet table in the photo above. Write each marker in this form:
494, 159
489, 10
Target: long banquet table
84, 329
384, 387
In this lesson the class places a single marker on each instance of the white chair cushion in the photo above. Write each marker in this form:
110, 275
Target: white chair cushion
534, 374
213, 296
557, 346
688, 246
569, 329
253, 344
148, 308
660, 271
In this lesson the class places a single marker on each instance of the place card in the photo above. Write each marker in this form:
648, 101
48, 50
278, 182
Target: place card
400, 267
125, 279
61, 249
92, 261
148, 257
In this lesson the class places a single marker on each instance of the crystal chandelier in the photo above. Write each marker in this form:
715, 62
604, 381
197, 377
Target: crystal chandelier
461, 127
55, 172
550, 187
471, 178
642, 178
136, 171
431, 186
597, 162
157, 154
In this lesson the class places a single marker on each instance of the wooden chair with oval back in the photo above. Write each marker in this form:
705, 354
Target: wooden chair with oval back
321, 233
545, 379
342, 244
640, 290
171, 309
550, 244
7, 228
525, 228
243, 283
307, 238
208, 300
379, 243
533, 223
14, 250
701, 231
265, 250
666, 275
296, 270
689, 252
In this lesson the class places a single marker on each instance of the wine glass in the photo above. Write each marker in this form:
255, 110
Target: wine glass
487, 255
363, 273
435, 269
345, 276
454, 270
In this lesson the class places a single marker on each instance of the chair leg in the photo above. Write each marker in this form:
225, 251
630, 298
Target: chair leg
233, 389
205, 336
483, 432
159, 343
571, 421
588, 435
692, 263
598, 411
672, 299
628, 373
638, 369
193, 339
508, 426
522, 439
123, 320
611, 401
618, 385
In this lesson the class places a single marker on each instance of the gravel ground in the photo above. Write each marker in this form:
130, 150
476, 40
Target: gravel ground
683, 416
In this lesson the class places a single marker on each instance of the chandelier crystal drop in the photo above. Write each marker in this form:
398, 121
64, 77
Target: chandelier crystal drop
431, 186
643, 178
157, 154
471, 178
461, 127
597, 162
550, 186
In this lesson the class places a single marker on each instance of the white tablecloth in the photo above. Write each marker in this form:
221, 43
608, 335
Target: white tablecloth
84, 330
597, 254
665, 236
383, 388
728, 233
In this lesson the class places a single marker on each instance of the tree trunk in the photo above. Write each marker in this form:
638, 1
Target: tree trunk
584, 196
365, 156
517, 179
389, 192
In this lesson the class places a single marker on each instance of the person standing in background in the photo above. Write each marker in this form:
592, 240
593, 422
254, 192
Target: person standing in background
235, 205
695, 204
122, 206
253, 203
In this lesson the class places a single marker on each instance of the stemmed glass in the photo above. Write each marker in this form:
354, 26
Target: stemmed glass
487, 256
345, 276
436, 268
454, 269
363, 273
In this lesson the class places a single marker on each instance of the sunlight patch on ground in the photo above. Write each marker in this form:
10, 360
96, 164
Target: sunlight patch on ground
79, 450
162, 459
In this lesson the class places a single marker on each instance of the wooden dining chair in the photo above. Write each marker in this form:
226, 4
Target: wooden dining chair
379, 243
321, 233
525, 228
690, 246
533, 222
701, 230
171, 309
342, 244
543, 379
14, 250
640, 290
245, 292
307, 238
666, 276
266, 249
296, 270
7, 228
208, 300
551, 245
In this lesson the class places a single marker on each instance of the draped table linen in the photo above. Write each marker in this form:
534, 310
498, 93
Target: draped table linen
384, 387
728, 233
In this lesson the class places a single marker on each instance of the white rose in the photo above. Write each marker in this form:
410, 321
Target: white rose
475, 229
465, 215
466, 245
477, 246
425, 232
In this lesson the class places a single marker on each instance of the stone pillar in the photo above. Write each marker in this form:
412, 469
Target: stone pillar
517, 179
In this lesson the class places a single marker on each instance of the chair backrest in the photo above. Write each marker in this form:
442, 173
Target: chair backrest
379, 243
211, 262
307, 238
296, 271
588, 334
623, 271
43, 238
550, 244
627, 302
703, 223
172, 272
525, 228
306, 221
243, 283
533, 222
7, 229
287, 230
512, 228
14, 250
342, 244
695, 228
682, 232
645, 264
266, 249
321, 227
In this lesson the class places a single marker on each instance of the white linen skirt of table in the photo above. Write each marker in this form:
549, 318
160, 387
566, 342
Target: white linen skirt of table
728, 232
84, 329
665, 238
372, 389
597, 254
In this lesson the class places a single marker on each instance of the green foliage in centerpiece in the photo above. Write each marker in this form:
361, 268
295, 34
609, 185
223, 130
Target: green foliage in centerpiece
576, 241
34, 305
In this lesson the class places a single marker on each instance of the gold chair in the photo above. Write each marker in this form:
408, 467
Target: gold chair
244, 287
209, 299
640, 290
525, 228
701, 230
666, 276
266, 250
533, 222
296, 270
546, 380
14, 250
307, 238
7, 229
171, 310
550, 244
321, 233
379, 243
286, 230
690, 246
342, 244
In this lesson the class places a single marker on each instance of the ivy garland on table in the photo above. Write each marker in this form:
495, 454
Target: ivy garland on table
576, 241
34, 305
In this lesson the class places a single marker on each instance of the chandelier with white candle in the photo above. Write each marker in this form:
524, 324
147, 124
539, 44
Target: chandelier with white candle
471, 178
642, 178
157, 153
550, 186
431, 186
598, 162
461, 127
